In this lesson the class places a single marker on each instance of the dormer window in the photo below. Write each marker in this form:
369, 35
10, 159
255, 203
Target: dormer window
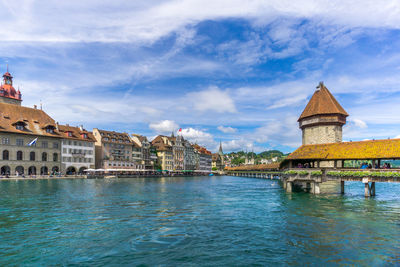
69, 134
84, 135
20, 125
49, 130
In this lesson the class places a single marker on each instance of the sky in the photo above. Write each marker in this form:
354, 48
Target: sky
239, 72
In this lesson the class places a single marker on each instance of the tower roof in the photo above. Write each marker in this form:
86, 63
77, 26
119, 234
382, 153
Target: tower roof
322, 102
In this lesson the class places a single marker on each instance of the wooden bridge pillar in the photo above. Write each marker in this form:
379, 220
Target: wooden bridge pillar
315, 188
289, 187
367, 190
342, 187
372, 188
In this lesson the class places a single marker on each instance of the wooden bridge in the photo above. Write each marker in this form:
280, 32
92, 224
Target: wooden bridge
310, 179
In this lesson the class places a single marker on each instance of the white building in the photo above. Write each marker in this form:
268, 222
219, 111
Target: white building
77, 149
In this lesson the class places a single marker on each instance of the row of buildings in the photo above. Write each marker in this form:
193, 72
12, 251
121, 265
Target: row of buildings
32, 143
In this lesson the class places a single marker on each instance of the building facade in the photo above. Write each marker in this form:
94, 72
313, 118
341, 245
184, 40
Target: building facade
77, 149
113, 150
163, 147
190, 161
148, 155
204, 159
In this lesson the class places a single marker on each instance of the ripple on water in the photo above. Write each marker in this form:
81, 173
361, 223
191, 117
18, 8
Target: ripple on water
194, 221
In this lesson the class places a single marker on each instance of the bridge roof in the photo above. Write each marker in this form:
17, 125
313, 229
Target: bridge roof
259, 167
371, 149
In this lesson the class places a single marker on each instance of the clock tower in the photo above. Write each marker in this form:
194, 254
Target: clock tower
8, 94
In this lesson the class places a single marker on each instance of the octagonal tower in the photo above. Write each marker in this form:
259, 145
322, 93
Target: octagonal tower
323, 118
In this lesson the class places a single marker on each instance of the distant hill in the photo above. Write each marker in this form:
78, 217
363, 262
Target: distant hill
238, 158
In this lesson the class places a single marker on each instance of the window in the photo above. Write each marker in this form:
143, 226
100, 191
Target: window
32, 156
45, 144
50, 130
55, 145
85, 136
75, 143
70, 134
69, 142
6, 141
55, 157
6, 155
20, 142
44, 156
64, 150
19, 155
20, 126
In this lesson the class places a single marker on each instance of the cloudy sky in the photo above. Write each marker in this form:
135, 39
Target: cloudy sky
236, 71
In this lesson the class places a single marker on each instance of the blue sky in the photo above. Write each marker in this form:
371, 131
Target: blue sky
236, 71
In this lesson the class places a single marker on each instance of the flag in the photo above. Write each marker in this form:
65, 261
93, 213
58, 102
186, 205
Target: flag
33, 142
180, 130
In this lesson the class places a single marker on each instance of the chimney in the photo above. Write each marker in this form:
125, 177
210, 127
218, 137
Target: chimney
81, 128
57, 125
34, 106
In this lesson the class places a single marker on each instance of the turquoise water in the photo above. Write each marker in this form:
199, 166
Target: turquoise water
219, 221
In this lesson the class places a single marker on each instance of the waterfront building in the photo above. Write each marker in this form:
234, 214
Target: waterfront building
178, 151
322, 120
204, 159
190, 161
163, 146
77, 149
113, 150
30, 142
147, 153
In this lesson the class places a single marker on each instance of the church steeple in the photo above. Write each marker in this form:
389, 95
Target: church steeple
220, 149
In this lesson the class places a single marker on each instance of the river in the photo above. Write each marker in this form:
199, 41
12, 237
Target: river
192, 221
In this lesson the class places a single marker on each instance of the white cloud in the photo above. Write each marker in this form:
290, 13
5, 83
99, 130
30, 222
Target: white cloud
212, 99
359, 123
198, 136
164, 127
122, 21
227, 129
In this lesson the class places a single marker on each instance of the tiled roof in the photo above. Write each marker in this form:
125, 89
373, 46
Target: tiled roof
76, 133
159, 144
7, 90
124, 137
35, 120
372, 149
259, 167
322, 102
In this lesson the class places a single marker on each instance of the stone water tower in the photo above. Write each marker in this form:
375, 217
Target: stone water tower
323, 118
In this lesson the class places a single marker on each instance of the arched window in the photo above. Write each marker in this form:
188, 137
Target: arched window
32, 156
6, 155
19, 155
44, 156
55, 157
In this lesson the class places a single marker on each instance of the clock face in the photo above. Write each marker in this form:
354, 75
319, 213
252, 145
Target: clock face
8, 82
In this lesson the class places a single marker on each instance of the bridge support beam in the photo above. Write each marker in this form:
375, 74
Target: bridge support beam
342, 187
315, 189
289, 187
372, 188
367, 190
